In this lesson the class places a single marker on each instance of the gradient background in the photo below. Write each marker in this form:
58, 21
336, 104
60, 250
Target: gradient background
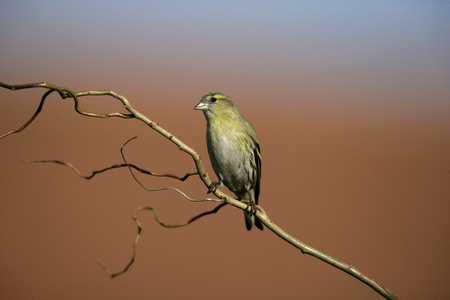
351, 102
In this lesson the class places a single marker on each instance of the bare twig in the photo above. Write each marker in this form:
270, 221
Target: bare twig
139, 232
67, 93
64, 93
116, 166
161, 188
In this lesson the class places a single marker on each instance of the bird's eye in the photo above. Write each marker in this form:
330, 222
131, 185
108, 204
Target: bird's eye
213, 99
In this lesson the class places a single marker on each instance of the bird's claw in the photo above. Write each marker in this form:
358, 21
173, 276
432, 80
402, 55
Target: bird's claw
213, 187
251, 207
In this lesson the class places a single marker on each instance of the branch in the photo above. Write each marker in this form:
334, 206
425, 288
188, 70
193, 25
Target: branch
138, 235
162, 188
116, 166
133, 216
304, 248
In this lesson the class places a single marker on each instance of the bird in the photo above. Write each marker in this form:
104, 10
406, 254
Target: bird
234, 151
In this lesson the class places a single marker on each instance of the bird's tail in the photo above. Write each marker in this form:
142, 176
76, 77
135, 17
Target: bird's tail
251, 220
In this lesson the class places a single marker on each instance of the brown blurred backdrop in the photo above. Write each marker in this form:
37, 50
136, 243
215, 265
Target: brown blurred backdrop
351, 103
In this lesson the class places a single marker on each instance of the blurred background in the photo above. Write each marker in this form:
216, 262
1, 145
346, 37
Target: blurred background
351, 102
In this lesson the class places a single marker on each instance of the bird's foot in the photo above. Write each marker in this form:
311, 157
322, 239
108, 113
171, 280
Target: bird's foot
213, 186
251, 207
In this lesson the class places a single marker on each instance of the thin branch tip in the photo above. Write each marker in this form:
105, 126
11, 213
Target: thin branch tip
105, 269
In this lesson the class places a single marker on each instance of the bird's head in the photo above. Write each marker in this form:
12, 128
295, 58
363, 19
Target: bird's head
216, 104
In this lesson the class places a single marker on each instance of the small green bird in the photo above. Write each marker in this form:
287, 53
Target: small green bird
233, 150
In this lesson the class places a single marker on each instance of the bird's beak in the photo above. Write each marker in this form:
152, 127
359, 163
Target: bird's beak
202, 106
